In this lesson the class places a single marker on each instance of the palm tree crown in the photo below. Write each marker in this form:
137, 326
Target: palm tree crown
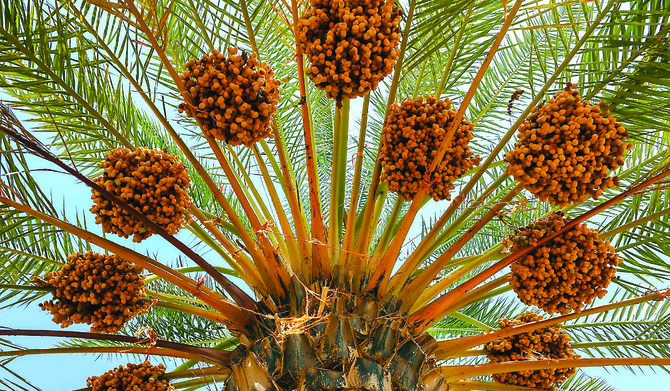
369, 194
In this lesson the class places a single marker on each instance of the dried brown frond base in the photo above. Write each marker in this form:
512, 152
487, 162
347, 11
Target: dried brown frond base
335, 341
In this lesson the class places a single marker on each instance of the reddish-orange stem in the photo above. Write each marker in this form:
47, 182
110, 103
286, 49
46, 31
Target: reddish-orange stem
320, 261
367, 230
476, 294
113, 349
244, 267
272, 269
473, 87
236, 317
454, 347
383, 269
431, 241
467, 371
431, 312
235, 220
413, 290
221, 357
197, 372
296, 208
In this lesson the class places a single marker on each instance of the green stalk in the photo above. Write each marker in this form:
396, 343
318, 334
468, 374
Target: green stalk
287, 179
471, 321
153, 294
390, 228
338, 179
273, 162
201, 234
635, 223
349, 232
199, 372
225, 225
474, 210
482, 293
379, 207
446, 281
466, 260
193, 269
423, 279
226, 345
454, 50
287, 232
320, 262
277, 239
250, 187
368, 220
197, 383
435, 239
191, 309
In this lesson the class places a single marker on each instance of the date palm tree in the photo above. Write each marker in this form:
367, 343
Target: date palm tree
339, 227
